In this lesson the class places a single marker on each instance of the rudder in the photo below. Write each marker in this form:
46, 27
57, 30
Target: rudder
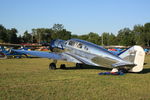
136, 55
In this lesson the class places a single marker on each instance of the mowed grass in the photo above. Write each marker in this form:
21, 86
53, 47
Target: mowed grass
26, 79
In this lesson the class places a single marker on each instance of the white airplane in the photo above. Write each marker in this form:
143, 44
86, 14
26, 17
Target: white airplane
83, 52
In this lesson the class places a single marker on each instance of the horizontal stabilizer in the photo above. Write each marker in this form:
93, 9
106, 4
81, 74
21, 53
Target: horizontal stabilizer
135, 55
122, 64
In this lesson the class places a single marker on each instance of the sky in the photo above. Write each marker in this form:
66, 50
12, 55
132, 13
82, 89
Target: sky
78, 16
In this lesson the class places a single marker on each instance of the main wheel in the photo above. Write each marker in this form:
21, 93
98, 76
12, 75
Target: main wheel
62, 66
52, 66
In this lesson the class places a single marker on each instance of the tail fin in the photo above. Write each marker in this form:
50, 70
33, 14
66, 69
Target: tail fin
136, 55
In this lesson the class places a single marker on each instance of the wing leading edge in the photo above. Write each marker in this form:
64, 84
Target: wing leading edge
50, 55
40, 54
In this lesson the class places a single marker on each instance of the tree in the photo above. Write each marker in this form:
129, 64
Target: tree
64, 34
138, 30
20, 39
74, 36
57, 27
60, 33
126, 37
112, 39
39, 34
3, 34
12, 35
94, 38
105, 38
27, 37
83, 37
48, 34
147, 34
142, 34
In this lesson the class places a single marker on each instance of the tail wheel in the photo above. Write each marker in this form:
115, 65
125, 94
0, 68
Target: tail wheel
52, 66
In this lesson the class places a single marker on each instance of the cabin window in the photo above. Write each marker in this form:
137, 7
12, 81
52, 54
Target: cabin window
72, 43
79, 45
85, 47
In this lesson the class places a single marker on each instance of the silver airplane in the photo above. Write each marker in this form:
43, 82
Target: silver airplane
83, 52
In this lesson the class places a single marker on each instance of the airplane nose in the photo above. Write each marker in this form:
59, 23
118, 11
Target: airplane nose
52, 43
57, 44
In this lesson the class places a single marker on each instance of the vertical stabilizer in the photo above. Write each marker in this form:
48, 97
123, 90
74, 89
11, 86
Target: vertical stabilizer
136, 55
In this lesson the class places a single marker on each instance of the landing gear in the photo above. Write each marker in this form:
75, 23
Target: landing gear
62, 66
53, 65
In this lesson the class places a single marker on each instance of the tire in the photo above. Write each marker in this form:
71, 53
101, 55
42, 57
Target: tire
52, 66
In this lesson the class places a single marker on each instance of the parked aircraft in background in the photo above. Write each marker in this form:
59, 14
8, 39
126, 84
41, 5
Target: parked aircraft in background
5, 51
83, 52
115, 51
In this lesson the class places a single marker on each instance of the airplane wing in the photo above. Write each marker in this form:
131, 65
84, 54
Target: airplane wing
40, 54
50, 55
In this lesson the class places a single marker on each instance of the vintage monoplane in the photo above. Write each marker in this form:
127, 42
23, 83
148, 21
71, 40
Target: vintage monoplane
83, 52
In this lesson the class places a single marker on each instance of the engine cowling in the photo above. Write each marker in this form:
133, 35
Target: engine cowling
58, 43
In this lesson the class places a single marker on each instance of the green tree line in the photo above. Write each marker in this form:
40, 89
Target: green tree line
139, 35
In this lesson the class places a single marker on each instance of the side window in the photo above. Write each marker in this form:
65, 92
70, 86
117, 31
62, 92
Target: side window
85, 48
71, 43
79, 45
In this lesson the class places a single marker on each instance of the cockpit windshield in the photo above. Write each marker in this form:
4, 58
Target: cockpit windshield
77, 45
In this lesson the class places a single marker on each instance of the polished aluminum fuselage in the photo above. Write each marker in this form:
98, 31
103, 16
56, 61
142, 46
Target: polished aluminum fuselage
92, 55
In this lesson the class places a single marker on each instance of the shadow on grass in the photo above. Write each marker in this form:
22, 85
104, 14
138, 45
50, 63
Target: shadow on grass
87, 67
145, 71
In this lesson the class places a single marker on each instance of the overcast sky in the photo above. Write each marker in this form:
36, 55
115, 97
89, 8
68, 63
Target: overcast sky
78, 16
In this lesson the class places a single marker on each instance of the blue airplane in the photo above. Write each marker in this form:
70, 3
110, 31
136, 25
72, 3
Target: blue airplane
83, 52
5, 53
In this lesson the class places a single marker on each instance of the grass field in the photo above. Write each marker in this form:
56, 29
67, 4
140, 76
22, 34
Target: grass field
25, 79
